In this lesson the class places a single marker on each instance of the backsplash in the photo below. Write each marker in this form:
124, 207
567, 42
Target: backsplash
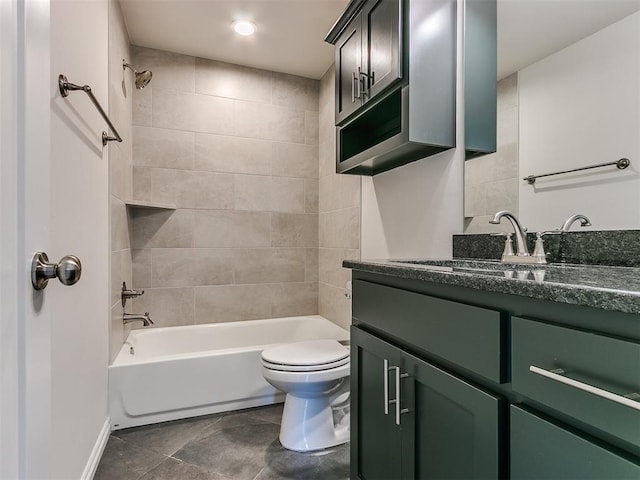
606, 247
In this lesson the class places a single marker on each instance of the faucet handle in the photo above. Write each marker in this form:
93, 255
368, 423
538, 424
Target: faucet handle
146, 314
508, 244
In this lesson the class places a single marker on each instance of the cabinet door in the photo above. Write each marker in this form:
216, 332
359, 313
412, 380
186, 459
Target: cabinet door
348, 65
541, 450
457, 426
381, 44
375, 438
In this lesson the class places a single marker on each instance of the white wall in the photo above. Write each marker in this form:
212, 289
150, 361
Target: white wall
79, 208
580, 107
414, 210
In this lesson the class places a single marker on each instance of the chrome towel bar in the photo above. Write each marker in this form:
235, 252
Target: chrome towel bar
621, 164
65, 87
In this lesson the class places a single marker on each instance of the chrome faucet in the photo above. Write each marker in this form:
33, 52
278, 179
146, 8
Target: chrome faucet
520, 231
133, 317
584, 222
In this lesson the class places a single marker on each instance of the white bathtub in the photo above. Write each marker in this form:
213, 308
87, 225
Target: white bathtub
163, 374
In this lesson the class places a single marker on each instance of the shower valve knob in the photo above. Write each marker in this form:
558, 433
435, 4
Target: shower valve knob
68, 270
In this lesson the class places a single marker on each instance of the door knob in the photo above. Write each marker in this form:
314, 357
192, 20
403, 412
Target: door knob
68, 270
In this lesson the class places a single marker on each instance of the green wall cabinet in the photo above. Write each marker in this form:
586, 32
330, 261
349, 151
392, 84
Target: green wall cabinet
411, 419
368, 56
395, 84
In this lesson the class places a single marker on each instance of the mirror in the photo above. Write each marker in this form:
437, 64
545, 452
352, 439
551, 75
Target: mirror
568, 97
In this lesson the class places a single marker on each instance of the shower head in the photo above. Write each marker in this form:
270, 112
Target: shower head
142, 79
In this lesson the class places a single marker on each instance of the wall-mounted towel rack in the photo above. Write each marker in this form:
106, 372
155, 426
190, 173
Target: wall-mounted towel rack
66, 86
620, 164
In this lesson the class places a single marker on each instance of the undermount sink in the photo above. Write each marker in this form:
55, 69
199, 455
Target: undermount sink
488, 267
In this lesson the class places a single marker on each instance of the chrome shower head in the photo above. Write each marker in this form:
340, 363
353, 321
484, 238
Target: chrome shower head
142, 79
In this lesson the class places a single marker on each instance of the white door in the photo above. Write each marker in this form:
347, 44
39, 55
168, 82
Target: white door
53, 198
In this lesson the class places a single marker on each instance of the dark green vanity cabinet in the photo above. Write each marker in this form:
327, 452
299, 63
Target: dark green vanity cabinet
395, 82
470, 406
415, 420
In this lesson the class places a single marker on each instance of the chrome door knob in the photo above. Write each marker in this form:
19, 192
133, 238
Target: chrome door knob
68, 270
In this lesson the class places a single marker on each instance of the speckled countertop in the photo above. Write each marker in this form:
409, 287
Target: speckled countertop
608, 288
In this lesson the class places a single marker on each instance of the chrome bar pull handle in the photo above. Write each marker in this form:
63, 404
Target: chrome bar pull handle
559, 375
385, 364
397, 401
68, 270
353, 87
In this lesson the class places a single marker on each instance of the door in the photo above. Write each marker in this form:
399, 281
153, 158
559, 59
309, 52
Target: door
348, 68
54, 198
376, 440
541, 449
457, 426
382, 45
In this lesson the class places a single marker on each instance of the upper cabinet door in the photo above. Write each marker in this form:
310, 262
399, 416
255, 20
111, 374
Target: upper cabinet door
381, 45
348, 66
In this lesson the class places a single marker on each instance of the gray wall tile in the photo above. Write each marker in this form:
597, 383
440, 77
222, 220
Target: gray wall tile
290, 299
232, 229
192, 112
177, 267
294, 230
236, 149
167, 307
288, 195
233, 81
141, 268
295, 92
164, 148
252, 192
232, 303
294, 160
270, 265
142, 106
171, 71
220, 153
141, 184
161, 228
190, 189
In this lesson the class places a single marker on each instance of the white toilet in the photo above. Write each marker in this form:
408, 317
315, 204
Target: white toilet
315, 377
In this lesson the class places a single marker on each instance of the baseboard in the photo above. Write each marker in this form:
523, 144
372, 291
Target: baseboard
96, 453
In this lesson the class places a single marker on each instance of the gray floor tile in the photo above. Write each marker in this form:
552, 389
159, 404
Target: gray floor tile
283, 464
172, 469
123, 461
237, 451
169, 437
240, 445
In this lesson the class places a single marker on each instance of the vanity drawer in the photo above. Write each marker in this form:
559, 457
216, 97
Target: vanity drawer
469, 336
556, 366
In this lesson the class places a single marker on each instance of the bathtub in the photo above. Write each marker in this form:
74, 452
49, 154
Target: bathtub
163, 374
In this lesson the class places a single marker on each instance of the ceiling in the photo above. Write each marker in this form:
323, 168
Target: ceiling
289, 36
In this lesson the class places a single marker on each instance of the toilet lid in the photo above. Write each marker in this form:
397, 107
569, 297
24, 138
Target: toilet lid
305, 356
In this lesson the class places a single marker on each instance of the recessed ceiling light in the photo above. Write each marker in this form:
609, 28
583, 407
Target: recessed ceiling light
244, 28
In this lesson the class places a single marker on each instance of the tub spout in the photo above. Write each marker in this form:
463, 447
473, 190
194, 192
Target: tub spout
132, 317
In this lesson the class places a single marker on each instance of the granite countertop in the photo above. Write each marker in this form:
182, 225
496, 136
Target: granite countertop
607, 288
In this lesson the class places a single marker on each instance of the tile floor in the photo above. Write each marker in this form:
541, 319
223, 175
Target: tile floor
230, 446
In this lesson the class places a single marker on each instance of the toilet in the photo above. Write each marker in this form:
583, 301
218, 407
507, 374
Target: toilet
315, 376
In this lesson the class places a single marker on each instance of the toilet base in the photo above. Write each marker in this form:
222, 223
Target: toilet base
308, 424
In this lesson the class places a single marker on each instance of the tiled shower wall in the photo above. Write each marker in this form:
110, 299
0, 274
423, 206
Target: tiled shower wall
339, 207
236, 150
120, 169
491, 181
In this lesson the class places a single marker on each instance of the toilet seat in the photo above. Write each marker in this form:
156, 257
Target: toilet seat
309, 356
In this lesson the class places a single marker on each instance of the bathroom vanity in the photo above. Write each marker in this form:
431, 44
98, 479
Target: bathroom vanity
477, 369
